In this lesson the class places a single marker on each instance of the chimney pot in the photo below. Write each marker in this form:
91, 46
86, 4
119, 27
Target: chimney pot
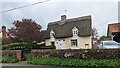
63, 17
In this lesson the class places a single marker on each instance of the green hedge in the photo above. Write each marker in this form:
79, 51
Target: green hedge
8, 60
25, 46
0, 59
76, 62
79, 53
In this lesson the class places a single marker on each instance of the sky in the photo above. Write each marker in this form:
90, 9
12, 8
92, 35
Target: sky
103, 12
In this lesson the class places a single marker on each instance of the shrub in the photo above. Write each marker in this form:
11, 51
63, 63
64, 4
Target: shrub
28, 57
25, 46
79, 53
0, 59
9, 60
75, 62
45, 61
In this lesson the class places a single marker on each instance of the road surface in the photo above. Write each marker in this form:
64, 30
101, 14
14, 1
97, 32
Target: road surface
31, 66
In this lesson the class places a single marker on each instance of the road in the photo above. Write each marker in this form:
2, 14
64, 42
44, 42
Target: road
31, 66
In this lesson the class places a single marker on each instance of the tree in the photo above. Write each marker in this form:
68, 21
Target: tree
104, 38
94, 32
26, 30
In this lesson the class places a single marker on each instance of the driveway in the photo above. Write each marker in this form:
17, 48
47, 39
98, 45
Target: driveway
31, 66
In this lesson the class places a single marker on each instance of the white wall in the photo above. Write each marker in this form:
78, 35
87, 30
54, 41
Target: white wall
66, 42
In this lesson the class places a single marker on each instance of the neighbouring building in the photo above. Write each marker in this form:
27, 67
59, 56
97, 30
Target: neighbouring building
114, 31
4, 36
72, 33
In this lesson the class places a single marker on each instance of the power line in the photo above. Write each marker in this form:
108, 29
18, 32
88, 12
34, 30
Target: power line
24, 6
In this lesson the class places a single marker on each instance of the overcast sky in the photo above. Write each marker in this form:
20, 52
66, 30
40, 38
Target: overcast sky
102, 12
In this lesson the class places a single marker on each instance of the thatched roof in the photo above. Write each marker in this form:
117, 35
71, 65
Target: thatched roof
64, 28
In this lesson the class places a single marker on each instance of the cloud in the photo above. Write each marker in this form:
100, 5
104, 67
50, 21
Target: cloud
102, 13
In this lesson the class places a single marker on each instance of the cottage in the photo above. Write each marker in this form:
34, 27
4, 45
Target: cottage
69, 33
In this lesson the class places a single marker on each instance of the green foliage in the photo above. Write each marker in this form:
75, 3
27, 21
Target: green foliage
0, 59
104, 38
21, 45
28, 57
8, 60
25, 46
45, 61
76, 62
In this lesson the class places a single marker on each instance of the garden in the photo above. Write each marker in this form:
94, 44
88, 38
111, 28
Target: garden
109, 58
41, 55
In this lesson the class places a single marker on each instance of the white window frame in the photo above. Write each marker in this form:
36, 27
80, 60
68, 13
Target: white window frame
74, 42
52, 33
75, 31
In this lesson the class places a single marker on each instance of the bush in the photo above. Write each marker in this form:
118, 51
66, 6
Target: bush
0, 59
25, 46
9, 60
75, 62
45, 61
79, 53
18, 46
28, 57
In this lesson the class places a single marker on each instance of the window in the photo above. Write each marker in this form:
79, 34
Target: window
52, 33
75, 31
74, 42
87, 46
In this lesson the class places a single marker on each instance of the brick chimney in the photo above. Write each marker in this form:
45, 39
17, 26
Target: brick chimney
63, 17
3, 32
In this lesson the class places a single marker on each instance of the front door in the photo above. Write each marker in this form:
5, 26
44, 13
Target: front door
60, 44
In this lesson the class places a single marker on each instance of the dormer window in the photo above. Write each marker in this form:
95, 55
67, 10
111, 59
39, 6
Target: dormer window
52, 33
75, 31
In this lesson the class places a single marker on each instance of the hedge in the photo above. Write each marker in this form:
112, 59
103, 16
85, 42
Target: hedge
25, 46
76, 63
79, 53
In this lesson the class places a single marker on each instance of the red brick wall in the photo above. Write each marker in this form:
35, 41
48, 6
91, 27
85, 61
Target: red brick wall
12, 53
